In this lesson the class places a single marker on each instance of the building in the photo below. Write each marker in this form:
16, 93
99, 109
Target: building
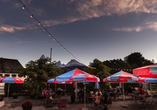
9, 68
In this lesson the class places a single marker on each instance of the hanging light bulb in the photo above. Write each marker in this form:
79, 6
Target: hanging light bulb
23, 7
49, 34
44, 29
39, 23
31, 16
54, 39
57, 42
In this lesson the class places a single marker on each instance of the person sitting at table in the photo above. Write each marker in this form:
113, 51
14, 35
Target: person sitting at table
59, 91
113, 92
97, 101
44, 93
142, 91
98, 91
50, 91
118, 89
133, 89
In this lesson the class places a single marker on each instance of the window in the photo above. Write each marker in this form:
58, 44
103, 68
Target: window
7, 75
13, 75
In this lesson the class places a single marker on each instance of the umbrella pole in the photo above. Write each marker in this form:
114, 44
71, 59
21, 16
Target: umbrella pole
8, 92
65, 89
123, 94
55, 87
84, 95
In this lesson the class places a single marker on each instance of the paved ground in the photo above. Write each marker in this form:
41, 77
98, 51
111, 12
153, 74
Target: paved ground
15, 104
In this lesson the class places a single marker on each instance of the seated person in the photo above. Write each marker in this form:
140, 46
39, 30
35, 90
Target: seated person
44, 93
97, 101
142, 91
113, 92
118, 90
50, 91
98, 91
59, 91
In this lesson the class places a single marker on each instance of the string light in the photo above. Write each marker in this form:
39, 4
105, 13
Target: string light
54, 39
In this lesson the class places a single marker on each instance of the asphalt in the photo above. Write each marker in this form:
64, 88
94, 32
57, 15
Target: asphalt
15, 104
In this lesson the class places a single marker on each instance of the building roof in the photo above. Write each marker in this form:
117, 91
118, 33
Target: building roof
9, 65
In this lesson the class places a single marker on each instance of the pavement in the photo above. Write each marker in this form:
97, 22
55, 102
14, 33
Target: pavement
15, 104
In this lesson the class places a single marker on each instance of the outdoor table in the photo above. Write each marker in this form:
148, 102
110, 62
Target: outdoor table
92, 99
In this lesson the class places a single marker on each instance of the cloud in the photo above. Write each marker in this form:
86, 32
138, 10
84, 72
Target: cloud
129, 29
10, 29
148, 25
87, 9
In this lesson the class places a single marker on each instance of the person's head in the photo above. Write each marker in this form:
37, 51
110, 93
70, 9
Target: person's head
98, 94
45, 88
105, 90
140, 86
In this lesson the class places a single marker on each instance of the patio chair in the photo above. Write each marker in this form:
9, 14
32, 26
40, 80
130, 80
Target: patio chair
63, 103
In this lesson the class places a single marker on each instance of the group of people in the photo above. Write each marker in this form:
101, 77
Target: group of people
46, 92
104, 98
132, 90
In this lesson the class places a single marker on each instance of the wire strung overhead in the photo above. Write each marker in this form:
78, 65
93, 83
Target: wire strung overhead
54, 39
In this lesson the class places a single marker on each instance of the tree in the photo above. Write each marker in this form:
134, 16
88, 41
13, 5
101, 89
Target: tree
137, 60
117, 65
101, 70
39, 71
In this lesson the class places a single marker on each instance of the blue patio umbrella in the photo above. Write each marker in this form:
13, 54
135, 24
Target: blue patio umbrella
97, 85
77, 75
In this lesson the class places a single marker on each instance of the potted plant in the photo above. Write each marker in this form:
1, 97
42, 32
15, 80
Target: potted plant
15, 95
27, 105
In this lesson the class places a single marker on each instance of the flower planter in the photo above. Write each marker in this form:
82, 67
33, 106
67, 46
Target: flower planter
27, 108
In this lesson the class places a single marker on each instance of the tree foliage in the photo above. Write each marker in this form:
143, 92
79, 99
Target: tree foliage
39, 71
101, 71
137, 60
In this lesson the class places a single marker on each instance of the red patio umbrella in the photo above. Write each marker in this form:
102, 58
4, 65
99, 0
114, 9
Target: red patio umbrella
149, 71
121, 76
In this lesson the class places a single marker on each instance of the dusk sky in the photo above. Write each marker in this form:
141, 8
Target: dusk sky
88, 29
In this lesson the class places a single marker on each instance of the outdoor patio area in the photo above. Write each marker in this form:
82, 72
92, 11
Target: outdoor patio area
15, 104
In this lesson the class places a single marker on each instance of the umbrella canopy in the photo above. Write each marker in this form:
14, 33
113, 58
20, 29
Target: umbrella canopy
53, 81
10, 80
149, 71
76, 75
147, 80
121, 76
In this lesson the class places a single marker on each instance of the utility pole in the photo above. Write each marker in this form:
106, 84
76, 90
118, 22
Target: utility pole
50, 55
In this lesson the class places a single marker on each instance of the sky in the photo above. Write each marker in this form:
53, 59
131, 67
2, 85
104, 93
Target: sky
85, 29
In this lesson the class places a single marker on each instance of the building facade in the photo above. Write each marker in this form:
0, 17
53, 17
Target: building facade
9, 68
